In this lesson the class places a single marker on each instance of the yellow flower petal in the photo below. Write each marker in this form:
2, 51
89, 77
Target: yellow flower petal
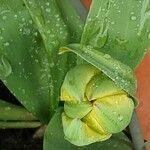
78, 133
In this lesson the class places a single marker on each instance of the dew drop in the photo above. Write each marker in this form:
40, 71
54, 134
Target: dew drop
48, 21
6, 44
132, 13
116, 102
5, 67
52, 65
47, 4
36, 60
4, 17
1, 38
52, 35
7, 108
61, 32
35, 34
30, 21
23, 19
120, 118
30, 2
26, 31
112, 22
133, 18
89, 19
15, 16
47, 10
57, 25
48, 32
117, 78
114, 113
149, 36
107, 56
57, 16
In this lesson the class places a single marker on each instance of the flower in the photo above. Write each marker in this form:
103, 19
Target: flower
94, 106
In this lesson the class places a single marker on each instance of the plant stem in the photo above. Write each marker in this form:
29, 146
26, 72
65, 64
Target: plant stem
13, 112
136, 133
19, 124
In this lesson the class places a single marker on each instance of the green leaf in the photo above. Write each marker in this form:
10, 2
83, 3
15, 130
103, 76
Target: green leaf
54, 33
13, 112
21, 45
54, 138
72, 19
29, 41
117, 71
5, 67
119, 28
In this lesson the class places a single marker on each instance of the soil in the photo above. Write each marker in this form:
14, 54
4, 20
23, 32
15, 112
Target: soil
16, 139
19, 139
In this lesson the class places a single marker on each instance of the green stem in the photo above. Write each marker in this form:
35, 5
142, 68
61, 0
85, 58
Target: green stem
19, 124
13, 112
136, 134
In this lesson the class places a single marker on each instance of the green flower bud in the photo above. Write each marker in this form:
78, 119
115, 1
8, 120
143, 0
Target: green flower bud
95, 107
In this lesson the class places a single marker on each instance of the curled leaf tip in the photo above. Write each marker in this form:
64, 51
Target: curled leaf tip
63, 50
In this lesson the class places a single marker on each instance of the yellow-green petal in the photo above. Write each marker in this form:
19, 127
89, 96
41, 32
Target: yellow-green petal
101, 86
75, 82
77, 110
78, 133
92, 122
113, 113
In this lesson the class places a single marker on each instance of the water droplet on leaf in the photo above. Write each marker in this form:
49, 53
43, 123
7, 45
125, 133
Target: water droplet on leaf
107, 56
47, 3
5, 67
6, 44
7, 108
133, 18
4, 17
149, 36
120, 118
1, 38
47, 10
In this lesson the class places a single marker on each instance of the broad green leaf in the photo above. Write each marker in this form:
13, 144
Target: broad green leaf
114, 69
54, 33
22, 48
5, 67
29, 42
11, 112
72, 19
119, 28
54, 139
